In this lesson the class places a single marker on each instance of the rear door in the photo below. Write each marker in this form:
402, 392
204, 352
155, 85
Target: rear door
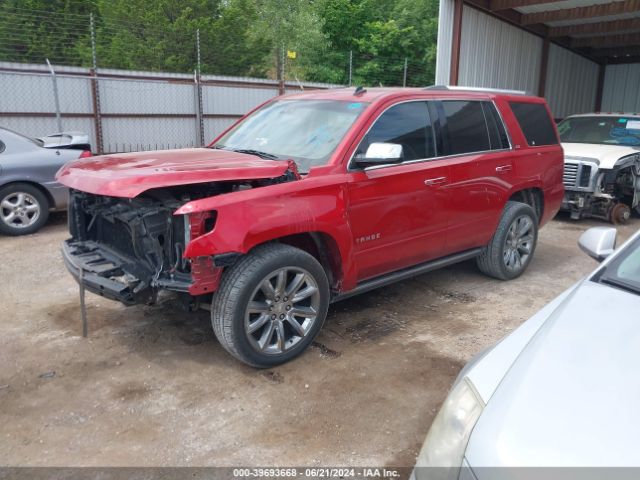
475, 138
398, 212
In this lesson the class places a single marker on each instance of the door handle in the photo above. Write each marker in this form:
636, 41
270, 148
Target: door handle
435, 181
503, 168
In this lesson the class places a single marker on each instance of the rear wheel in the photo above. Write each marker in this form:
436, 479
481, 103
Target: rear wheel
270, 305
509, 252
24, 209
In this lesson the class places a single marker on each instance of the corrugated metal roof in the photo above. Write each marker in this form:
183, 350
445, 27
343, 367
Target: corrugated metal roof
609, 18
547, 7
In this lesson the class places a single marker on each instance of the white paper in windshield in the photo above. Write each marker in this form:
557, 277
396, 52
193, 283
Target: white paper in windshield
633, 125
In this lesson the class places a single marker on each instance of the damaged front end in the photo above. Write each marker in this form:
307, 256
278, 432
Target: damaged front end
607, 194
128, 249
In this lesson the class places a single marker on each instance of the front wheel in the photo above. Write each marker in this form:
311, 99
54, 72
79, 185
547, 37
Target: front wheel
510, 251
270, 305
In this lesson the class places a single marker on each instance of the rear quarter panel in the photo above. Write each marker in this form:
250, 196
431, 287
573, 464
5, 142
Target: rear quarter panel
535, 167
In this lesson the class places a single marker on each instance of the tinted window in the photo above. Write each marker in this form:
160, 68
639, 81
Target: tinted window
497, 135
535, 123
406, 124
465, 127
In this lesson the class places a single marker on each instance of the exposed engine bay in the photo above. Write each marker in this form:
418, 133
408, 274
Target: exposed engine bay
608, 194
130, 248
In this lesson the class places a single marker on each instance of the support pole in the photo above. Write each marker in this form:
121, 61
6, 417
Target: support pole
404, 74
56, 98
199, 102
544, 63
83, 308
600, 88
95, 90
281, 87
455, 42
350, 65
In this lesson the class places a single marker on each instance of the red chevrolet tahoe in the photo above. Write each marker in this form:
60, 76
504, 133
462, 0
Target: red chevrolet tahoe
315, 197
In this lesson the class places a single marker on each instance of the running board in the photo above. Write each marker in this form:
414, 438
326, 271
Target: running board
409, 272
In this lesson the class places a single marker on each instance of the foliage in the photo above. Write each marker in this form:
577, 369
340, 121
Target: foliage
237, 37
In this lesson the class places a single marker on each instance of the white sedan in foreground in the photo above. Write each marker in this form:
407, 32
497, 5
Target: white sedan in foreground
563, 390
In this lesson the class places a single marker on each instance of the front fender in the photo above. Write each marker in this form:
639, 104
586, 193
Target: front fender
249, 218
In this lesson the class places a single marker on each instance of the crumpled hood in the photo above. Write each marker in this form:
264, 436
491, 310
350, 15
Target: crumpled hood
607, 155
571, 397
129, 174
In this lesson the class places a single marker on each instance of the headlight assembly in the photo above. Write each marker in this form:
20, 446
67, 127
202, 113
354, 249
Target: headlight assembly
447, 439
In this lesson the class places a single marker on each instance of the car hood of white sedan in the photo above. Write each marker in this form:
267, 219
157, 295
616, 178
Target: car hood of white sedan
571, 397
607, 155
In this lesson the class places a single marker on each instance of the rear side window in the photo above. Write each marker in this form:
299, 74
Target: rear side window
465, 127
535, 123
406, 124
497, 135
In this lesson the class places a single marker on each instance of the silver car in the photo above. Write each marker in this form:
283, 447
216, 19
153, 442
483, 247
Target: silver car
562, 390
28, 190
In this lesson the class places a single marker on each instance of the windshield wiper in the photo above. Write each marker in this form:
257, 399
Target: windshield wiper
614, 282
249, 151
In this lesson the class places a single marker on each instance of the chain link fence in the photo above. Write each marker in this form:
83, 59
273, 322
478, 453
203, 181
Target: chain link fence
134, 87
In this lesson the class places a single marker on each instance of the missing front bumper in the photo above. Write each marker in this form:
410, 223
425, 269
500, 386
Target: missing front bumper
103, 272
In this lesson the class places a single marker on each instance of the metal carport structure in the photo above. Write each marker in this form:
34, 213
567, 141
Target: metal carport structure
582, 55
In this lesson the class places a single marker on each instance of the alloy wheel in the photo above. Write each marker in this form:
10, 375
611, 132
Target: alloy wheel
282, 310
519, 243
19, 210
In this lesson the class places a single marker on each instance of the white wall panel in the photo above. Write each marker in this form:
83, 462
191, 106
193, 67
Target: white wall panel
445, 32
621, 91
496, 54
572, 82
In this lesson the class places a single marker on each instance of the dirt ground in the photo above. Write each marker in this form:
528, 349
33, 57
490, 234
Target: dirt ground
151, 386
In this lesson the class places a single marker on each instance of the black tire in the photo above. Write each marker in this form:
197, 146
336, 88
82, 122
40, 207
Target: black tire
493, 260
242, 282
35, 198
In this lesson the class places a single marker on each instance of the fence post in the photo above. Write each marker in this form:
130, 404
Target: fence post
280, 65
95, 90
404, 76
198, 93
350, 65
56, 98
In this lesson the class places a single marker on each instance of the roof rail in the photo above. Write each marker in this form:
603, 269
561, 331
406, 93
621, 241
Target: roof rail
477, 89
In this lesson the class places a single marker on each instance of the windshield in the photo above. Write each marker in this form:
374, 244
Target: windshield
624, 271
307, 131
601, 130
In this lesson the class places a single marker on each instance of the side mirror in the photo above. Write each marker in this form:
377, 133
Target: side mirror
380, 154
598, 242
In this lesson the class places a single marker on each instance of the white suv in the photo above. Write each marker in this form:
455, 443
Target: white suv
601, 165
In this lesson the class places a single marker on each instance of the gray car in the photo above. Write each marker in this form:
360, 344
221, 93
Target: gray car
28, 190
561, 391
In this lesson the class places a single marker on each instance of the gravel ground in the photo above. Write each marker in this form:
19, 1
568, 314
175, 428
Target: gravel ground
151, 386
